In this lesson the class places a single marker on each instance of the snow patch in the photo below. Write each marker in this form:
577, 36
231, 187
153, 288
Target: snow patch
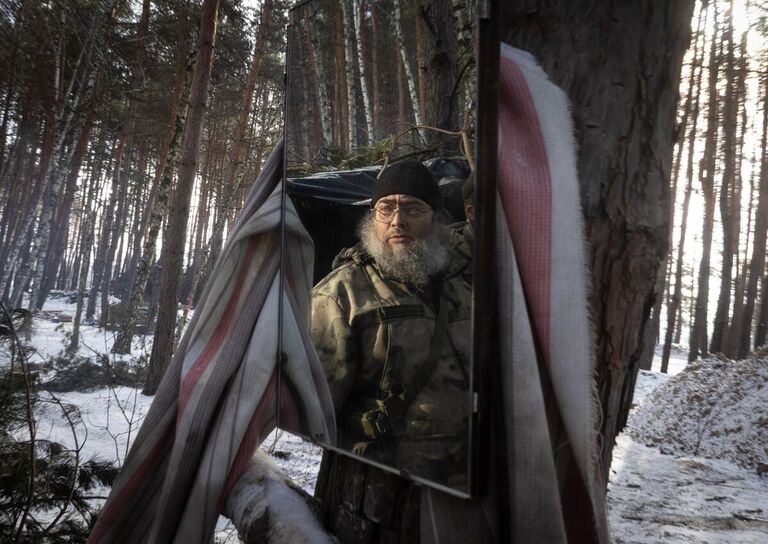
714, 408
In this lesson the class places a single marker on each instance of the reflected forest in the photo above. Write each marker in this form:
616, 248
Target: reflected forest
379, 79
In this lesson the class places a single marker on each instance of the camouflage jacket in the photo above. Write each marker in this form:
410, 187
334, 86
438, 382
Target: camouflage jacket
462, 237
372, 333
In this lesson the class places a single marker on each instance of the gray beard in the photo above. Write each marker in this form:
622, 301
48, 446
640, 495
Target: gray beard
413, 263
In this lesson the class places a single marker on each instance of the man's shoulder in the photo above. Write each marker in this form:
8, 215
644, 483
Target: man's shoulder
461, 238
347, 273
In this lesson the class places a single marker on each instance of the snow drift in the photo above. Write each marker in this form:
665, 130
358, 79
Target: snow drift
714, 408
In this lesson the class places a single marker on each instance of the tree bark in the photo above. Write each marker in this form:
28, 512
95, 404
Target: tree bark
440, 89
629, 55
74, 341
341, 99
349, 74
162, 186
357, 16
409, 76
173, 242
757, 262
316, 55
698, 337
730, 192
762, 320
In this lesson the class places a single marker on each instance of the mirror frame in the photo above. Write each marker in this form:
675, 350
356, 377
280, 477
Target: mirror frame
485, 377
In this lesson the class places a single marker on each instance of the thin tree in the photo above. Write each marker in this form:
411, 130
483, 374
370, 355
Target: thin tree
409, 76
357, 18
757, 261
173, 243
349, 73
317, 55
164, 178
730, 192
698, 336
694, 94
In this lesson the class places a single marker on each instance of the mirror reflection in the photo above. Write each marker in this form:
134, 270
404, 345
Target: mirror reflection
379, 133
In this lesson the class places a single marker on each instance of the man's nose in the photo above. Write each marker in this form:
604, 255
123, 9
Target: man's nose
398, 219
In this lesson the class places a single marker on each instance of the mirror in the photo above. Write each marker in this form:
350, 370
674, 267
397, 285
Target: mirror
377, 89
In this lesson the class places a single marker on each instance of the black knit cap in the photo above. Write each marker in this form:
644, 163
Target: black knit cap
407, 177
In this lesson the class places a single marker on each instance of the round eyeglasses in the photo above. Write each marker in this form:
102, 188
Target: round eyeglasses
385, 213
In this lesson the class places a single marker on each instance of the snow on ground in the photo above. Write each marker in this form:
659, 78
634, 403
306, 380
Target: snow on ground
713, 408
663, 491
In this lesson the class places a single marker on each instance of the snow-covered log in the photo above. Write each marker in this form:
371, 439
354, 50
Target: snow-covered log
267, 507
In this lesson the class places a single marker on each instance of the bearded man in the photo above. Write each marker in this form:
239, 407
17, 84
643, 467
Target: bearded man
391, 325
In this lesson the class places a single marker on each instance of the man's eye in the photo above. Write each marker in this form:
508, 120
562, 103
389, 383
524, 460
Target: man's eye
414, 210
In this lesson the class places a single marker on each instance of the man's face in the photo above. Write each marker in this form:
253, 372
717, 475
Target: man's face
469, 212
401, 219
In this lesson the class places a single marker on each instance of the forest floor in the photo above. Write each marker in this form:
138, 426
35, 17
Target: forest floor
684, 470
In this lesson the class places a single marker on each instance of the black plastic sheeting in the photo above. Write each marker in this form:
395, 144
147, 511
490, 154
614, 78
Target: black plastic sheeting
331, 204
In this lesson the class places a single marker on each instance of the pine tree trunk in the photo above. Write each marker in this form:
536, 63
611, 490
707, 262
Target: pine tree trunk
173, 242
65, 120
409, 76
730, 192
316, 58
626, 220
124, 337
51, 200
357, 19
757, 262
349, 74
341, 100
161, 186
18, 19
698, 337
440, 98
762, 320
694, 95
374, 48
74, 341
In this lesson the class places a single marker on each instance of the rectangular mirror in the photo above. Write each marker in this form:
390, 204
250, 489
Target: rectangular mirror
378, 90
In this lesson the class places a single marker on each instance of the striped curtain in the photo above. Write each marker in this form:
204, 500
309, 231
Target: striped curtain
218, 398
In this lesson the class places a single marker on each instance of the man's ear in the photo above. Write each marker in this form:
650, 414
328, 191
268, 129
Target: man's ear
469, 211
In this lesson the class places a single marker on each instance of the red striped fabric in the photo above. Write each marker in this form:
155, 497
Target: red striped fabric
525, 189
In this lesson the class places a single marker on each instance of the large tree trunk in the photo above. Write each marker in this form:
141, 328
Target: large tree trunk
440, 90
173, 242
621, 68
